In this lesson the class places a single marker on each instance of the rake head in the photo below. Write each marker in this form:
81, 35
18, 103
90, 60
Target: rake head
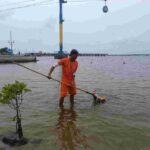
99, 99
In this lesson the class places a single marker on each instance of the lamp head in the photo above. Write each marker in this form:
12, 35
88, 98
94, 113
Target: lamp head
105, 9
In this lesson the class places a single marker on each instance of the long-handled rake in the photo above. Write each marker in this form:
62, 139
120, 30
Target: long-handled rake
97, 98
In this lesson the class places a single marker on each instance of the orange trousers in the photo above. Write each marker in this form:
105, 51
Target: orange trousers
65, 90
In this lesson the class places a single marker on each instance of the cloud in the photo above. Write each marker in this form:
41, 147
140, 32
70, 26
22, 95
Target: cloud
5, 15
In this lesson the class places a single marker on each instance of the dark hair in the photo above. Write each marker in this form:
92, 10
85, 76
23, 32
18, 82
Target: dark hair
74, 51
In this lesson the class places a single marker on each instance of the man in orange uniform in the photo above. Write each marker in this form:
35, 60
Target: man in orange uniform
69, 67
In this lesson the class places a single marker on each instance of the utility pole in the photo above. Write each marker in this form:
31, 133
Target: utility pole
11, 42
61, 20
61, 54
60, 27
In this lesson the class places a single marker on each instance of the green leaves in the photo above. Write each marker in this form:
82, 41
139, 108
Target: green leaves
11, 91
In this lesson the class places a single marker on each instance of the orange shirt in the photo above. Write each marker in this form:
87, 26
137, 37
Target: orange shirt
68, 69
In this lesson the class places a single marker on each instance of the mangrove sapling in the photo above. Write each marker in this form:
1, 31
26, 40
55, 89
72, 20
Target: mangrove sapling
12, 94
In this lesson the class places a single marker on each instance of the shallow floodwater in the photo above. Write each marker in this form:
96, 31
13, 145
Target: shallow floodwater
122, 123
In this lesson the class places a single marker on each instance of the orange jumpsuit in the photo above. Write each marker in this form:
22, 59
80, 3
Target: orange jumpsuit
68, 70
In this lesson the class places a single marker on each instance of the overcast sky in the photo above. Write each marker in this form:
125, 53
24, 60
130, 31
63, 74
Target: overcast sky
82, 18
74, 10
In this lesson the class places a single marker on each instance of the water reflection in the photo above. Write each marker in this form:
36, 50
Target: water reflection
69, 135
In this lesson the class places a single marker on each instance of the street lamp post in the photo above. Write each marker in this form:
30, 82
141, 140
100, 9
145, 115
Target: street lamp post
61, 53
60, 27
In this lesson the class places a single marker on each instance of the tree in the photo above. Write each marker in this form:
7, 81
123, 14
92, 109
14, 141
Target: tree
6, 51
12, 94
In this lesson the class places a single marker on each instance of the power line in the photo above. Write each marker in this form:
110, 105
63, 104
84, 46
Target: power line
45, 2
29, 5
9, 4
84, 0
81, 1
21, 2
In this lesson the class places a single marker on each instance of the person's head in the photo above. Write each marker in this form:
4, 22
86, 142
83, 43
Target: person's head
74, 54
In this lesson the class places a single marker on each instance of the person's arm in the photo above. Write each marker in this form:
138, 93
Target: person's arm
60, 62
52, 69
